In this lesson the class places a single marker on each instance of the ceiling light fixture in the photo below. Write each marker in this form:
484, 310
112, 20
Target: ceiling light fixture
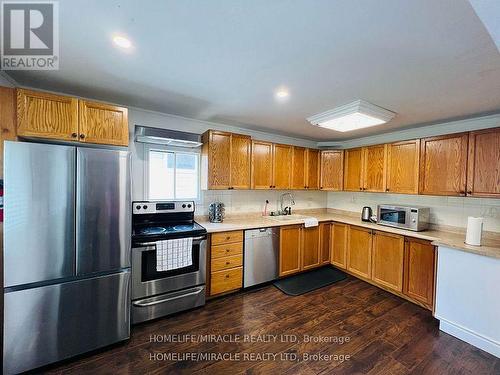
282, 94
356, 115
122, 41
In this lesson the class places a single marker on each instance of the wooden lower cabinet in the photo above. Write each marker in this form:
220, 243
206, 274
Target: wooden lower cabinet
338, 244
310, 248
226, 280
324, 242
359, 251
290, 250
419, 270
388, 256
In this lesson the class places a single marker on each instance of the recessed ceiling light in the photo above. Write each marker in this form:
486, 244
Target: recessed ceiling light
122, 41
352, 116
281, 93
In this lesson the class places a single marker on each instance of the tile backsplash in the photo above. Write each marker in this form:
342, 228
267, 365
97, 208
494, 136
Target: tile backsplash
251, 201
452, 211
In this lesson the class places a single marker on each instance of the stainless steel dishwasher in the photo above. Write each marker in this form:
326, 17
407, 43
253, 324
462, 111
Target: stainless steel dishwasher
261, 256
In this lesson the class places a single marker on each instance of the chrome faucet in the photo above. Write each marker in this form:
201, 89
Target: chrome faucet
287, 210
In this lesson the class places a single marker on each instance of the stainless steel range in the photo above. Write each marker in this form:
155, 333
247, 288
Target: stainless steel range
159, 293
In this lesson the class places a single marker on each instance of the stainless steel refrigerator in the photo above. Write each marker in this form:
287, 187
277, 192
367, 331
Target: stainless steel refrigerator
66, 252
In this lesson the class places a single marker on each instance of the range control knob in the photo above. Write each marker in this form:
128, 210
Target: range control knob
138, 207
189, 206
183, 206
145, 207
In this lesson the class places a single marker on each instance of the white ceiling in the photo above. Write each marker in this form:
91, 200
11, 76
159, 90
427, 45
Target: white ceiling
426, 60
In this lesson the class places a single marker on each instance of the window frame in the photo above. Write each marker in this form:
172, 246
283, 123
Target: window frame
176, 150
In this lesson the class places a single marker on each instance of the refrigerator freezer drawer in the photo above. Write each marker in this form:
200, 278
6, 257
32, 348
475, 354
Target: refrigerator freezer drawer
39, 228
50, 323
103, 204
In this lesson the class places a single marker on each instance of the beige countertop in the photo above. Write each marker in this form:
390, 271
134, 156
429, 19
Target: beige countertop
451, 237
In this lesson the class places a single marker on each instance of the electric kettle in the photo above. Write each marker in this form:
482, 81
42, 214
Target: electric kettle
366, 213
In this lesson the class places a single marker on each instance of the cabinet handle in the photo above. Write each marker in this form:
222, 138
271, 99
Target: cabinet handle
386, 189
82, 136
74, 135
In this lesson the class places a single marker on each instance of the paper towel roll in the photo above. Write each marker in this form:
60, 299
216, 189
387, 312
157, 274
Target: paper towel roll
474, 230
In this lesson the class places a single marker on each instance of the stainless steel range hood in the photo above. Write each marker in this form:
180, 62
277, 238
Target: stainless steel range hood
145, 134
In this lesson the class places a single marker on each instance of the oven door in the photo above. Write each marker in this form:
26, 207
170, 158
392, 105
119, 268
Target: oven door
393, 216
147, 281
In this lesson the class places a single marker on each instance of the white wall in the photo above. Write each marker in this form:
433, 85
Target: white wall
235, 201
452, 211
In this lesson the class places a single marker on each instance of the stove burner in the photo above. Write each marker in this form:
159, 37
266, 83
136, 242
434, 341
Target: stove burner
153, 230
183, 227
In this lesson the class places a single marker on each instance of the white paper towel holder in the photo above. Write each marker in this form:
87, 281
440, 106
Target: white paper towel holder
474, 231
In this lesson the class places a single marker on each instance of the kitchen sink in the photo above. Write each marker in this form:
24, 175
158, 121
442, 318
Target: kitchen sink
288, 217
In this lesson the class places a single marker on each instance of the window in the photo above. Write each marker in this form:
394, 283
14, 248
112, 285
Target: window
173, 175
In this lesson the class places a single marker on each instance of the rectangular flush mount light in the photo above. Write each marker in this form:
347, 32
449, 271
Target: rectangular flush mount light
352, 116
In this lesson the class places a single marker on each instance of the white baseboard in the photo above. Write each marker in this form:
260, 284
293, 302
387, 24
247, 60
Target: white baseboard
470, 337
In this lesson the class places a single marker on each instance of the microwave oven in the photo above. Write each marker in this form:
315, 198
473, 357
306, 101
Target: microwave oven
405, 217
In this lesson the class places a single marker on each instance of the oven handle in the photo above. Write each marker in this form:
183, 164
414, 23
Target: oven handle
143, 244
152, 303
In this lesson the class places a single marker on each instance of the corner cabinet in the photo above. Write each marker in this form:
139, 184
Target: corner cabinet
443, 165
332, 170
483, 172
226, 159
65, 118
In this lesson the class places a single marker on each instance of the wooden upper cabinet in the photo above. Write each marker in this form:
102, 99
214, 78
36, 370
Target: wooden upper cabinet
419, 266
262, 165
290, 250
324, 242
443, 164
103, 123
483, 174
46, 115
217, 152
403, 167
359, 251
332, 170
353, 168
241, 158
312, 169
310, 248
282, 165
299, 160
374, 168
338, 240
388, 257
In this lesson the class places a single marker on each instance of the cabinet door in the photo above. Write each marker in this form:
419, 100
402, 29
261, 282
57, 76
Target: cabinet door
443, 164
332, 170
388, 256
338, 238
374, 168
103, 123
47, 115
403, 167
241, 157
310, 248
359, 251
312, 169
262, 165
219, 160
290, 246
282, 165
299, 168
483, 174
419, 271
352, 169
324, 242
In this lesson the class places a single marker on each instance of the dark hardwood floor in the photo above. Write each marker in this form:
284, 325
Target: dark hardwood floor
383, 334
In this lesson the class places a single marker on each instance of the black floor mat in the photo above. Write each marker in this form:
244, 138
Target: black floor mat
309, 281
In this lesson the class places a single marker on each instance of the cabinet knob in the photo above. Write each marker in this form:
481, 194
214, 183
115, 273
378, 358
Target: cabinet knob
469, 192
74, 135
270, 186
462, 192
228, 263
82, 136
360, 188
386, 189
227, 276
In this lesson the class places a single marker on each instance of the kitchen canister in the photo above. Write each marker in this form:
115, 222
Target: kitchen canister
474, 231
216, 212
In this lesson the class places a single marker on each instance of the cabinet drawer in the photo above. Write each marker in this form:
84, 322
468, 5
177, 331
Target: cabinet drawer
227, 237
227, 262
225, 281
227, 250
